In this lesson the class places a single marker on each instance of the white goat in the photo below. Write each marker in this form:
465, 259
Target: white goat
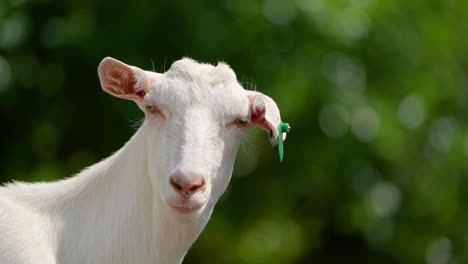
148, 202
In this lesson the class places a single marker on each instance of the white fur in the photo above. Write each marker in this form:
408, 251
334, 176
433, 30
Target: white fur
117, 210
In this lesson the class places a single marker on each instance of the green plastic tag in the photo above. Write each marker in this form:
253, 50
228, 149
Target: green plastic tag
282, 128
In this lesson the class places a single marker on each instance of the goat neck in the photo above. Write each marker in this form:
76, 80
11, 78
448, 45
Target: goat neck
105, 212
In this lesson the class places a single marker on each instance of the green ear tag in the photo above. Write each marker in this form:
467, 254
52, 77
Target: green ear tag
282, 128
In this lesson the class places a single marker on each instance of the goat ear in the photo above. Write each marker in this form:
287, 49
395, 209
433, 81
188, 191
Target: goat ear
265, 114
122, 80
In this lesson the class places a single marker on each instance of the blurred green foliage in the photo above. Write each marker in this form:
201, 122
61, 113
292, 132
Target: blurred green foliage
376, 91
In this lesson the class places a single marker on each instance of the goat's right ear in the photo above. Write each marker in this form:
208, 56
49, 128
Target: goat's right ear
122, 80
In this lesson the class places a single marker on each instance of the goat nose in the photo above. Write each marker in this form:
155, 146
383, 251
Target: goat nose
185, 184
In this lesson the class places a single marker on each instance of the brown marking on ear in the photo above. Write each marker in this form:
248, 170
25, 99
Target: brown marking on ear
258, 113
125, 80
258, 118
141, 93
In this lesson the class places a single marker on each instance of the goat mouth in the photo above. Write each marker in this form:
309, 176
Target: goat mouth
185, 209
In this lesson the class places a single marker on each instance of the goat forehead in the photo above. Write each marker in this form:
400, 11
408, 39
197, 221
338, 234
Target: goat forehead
217, 102
181, 93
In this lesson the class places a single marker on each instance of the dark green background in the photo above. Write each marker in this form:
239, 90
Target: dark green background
376, 91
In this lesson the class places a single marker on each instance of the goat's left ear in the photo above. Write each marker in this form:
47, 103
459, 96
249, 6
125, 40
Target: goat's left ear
122, 80
265, 114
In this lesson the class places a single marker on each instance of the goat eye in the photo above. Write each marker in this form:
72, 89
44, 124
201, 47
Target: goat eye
241, 122
151, 109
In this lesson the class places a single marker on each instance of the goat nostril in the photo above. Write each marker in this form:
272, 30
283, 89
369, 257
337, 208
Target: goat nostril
197, 186
176, 185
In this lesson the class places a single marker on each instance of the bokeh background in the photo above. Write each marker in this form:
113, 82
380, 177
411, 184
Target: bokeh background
376, 91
